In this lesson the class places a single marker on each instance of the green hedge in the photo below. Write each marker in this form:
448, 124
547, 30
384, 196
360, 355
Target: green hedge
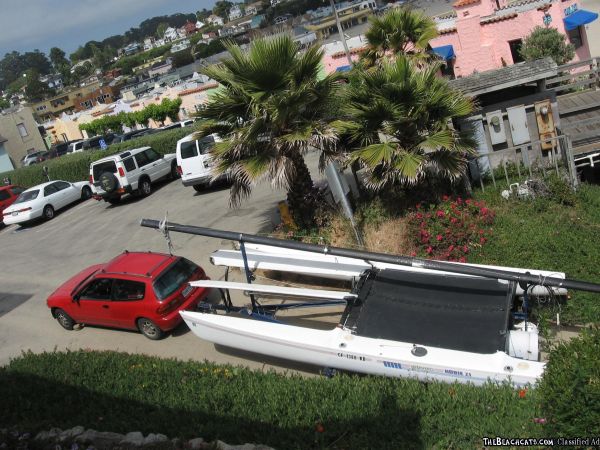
121, 393
76, 166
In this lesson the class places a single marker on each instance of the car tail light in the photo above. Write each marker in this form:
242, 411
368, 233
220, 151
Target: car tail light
169, 306
121, 172
91, 179
179, 170
18, 211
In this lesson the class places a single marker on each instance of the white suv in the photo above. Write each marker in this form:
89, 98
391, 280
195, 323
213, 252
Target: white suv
131, 171
194, 162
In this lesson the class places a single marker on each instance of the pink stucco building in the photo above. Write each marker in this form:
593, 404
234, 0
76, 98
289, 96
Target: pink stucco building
486, 34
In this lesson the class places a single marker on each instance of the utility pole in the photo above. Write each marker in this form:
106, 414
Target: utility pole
339, 27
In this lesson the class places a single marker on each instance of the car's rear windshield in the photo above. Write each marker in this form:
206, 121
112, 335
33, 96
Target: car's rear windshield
205, 144
107, 166
26, 196
188, 149
171, 279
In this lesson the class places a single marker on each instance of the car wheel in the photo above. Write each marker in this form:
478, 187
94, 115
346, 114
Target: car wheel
64, 319
48, 212
145, 187
174, 173
149, 329
198, 187
114, 200
86, 193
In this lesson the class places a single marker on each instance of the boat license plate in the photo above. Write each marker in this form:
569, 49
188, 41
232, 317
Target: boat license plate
187, 291
15, 213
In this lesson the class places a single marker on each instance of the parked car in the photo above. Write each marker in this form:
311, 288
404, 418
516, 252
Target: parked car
131, 171
32, 158
126, 136
194, 162
75, 147
94, 142
134, 291
59, 149
170, 126
8, 195
44, 200
146, 132
186, 123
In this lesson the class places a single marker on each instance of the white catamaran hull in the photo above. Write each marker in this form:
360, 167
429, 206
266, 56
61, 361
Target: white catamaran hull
340, 349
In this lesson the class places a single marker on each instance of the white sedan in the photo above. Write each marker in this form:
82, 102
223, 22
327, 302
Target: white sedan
44, 199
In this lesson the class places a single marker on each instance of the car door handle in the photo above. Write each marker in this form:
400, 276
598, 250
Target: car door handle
105, 306
142, 170
153, 165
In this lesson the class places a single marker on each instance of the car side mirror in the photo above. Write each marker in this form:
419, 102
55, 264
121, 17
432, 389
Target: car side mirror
75, 298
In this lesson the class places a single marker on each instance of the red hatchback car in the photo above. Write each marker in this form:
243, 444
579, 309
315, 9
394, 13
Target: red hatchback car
135, 291
8, 195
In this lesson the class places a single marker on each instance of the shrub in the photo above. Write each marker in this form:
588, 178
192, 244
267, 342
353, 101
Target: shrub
76, 166
570, 389
560, 190
449, 230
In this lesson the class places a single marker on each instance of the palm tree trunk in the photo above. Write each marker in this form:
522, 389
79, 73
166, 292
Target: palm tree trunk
301, 197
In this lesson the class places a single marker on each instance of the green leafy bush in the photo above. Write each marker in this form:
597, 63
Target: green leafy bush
76, 166
570, 389
118, 392
560, 190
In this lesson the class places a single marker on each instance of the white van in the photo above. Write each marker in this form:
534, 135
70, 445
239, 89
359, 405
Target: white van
194, 161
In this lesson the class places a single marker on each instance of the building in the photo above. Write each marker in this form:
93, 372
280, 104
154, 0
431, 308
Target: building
132, 49
170, 34
304, 37
257, 21
253, 8
215, 20
335, 59
103, 95
483, 35
280, 20
180, 45
235, 12
148, 44
190, 28
350, 14
54, 81
63, 102
199, 24
20, 136
160, 67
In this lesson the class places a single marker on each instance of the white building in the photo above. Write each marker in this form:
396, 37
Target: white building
170, 34
199, 24
148, 43
253, 8
181, 45
215, 20
235, 12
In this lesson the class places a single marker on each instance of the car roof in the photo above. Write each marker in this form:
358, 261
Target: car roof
117, 155
43, 185
7, 186
146, 264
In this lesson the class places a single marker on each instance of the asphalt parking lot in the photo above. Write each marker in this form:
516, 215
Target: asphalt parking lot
36, 259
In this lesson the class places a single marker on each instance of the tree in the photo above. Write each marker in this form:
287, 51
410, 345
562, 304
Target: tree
543, 42
182, 58
35, 90
161, 28
82, 71
38, 61
400, 31
222, 8
58, 59
398, 127
271, 109
4, 103
172, 108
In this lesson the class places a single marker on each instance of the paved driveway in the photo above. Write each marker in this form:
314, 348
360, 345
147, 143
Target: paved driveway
36, 259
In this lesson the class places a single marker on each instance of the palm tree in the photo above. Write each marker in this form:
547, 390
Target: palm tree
399, 124
400, 31
271, 109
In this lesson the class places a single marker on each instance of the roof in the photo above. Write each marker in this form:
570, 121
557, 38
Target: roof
469, 314
505, 77
497, 18
139, 263
117, 155
460, 3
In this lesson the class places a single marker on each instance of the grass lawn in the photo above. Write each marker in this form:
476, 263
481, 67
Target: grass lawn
545, 234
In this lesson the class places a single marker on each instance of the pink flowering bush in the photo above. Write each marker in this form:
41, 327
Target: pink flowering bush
450, 230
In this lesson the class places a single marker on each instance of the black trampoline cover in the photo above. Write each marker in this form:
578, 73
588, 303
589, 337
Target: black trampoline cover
447, 311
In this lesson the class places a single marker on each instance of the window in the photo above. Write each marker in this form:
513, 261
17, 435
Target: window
60, 185
206, 144
22, 130
26, 196
99, 289
515, 50
575, 37
129, 164
173, 278
126, 290
17, 190
4, 195
50, 189
99, 169
188, 149
141, 159
152, 155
